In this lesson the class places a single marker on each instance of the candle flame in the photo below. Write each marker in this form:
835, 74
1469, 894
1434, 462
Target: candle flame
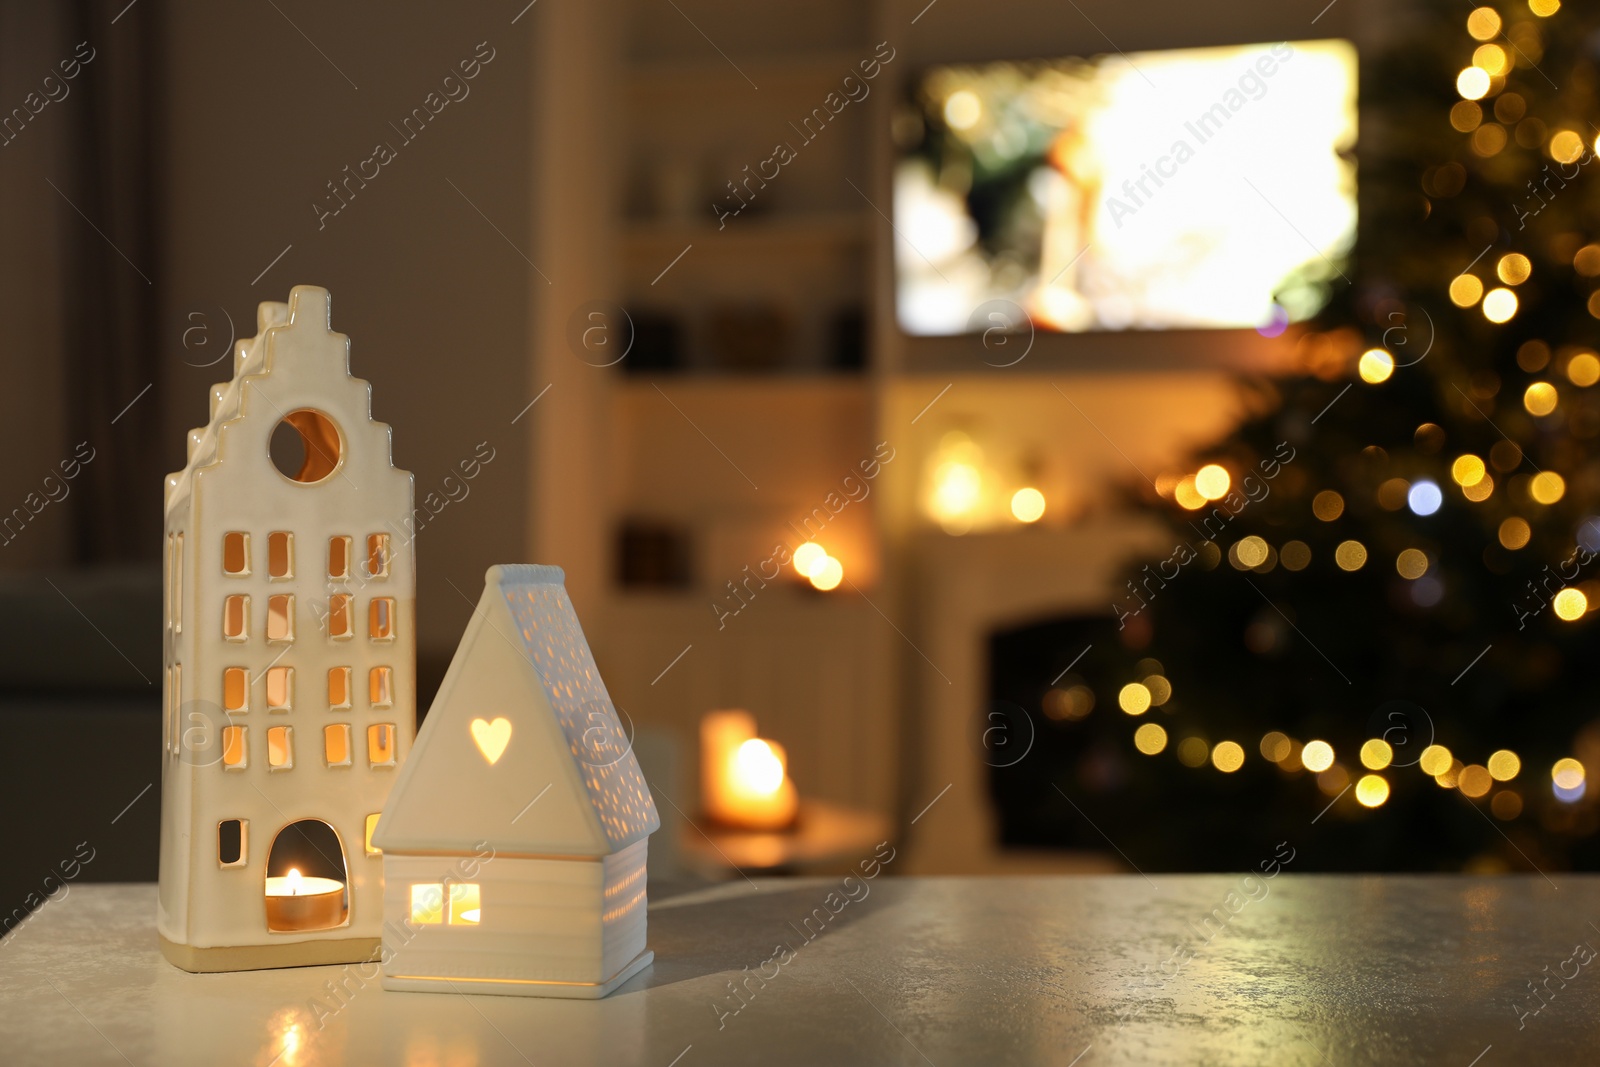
756, 768
294, 881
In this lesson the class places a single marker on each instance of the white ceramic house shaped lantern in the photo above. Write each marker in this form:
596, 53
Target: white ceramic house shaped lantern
290, 658
514, 841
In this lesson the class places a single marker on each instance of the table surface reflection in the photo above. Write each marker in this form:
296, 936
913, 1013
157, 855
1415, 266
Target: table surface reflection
1200, 969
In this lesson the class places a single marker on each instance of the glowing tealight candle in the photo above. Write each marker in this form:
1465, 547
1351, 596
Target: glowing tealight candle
745, 780
295, 902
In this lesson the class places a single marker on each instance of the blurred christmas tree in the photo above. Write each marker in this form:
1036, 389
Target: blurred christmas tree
1381, 591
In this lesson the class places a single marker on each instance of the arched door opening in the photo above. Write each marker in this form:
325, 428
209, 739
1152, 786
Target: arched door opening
307, 883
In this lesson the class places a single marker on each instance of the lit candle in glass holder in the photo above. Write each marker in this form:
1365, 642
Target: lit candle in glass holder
745, 781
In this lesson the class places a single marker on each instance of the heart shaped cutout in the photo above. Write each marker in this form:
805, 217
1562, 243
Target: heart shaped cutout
491, 737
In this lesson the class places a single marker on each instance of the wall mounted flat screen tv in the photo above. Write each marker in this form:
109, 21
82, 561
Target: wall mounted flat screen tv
1192, 188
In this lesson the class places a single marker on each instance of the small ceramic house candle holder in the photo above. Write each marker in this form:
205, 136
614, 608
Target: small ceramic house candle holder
290, 658
514, 842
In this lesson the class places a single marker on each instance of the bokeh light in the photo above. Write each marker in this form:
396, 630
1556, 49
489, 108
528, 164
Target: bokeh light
1472, 83
1539, 398
1412, 563
1565, 146
1435, 760
1150, 739
1474, 781
1274, 746
1333, 781
963, 109
1467, 470
1583, 369
1134, 699
1193, 752
1465, 290
1492, 58
1296, 555
1372, 790
1317, 755
1187, 495
1567, 773
1228, 756
1547, 487
1375, 366
1252, 551
1484, 24
1514, 533
1212, 481
1160, 689
1425, 497
1327, 505
827, 574
1350, 555
1499, 305
1506, 804
1027, 505
1504, 765
1570, 604
808, 556
1514, 268
1376, 754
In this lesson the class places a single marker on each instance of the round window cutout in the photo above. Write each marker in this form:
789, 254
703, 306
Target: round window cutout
306, 446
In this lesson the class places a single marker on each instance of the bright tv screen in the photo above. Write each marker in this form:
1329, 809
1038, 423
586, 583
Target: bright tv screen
1206, 187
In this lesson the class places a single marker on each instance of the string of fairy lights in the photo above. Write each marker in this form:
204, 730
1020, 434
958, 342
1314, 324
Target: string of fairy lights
1475, 477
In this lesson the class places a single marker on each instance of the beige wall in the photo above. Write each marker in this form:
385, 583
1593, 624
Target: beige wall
435, 301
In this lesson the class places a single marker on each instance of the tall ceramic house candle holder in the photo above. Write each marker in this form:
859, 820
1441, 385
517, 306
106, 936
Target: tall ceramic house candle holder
290, 658
514, 842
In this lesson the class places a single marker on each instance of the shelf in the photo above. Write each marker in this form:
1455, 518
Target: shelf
773, 234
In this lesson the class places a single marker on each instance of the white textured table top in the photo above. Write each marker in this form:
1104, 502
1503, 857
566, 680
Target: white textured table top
1093, 970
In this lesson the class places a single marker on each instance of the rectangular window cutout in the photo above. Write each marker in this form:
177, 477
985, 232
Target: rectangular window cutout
378, 555
380, 618
280, 688
280, 554
232, 842
280, 747
338, 687
427, 904
464, 907
235, 553
339, 623
372, 824
338, 557
336, 744
174, 680
177, 589
280, 617
380, 744
380, 687
166, 586
234, 756
235, 689
236, 617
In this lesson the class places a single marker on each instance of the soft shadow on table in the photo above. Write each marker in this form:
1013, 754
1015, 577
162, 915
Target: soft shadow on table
699, 934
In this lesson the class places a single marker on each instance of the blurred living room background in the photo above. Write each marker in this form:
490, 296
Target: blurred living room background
695, 280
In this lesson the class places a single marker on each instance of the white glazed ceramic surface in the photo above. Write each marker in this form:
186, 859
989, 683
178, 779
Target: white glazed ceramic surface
231, 485
523, 785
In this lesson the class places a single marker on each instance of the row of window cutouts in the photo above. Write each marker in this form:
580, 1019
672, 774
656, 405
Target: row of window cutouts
337, 749
280, 688
233, 841
280, 555
340, 619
